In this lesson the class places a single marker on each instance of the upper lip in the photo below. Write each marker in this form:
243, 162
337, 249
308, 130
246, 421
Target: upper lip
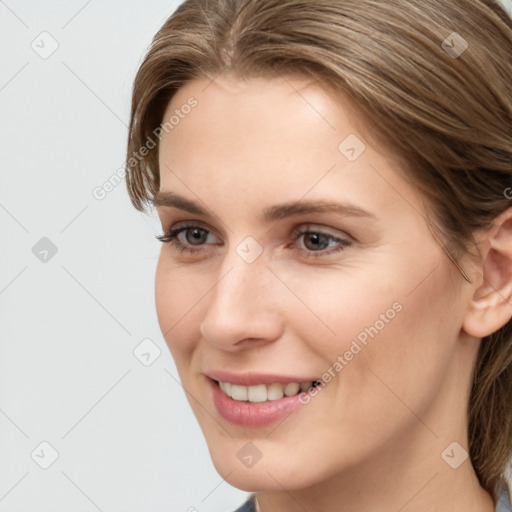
253, 378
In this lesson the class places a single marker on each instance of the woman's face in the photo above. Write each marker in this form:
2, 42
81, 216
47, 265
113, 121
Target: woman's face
307, 257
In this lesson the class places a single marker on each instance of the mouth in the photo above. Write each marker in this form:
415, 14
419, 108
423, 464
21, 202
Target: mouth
257, 400
264, 392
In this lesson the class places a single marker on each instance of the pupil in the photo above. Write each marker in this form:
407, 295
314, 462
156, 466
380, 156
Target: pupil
317, 241
198, 236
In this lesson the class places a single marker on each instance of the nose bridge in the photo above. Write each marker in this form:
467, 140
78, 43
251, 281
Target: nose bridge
238, 285
244, 268
241, 304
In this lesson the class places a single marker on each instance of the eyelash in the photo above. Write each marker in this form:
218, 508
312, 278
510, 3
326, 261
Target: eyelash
171, 238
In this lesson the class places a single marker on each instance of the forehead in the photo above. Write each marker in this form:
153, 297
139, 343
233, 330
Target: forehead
280, 138
239, 114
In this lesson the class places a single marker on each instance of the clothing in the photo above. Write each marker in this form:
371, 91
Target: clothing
502, 505
248, 506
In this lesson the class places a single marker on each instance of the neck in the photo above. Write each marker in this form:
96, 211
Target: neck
419, 482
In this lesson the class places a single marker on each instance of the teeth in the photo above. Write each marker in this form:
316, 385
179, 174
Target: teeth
292, 388
239, 392
257, 393
262, 392
275, 392
226, 387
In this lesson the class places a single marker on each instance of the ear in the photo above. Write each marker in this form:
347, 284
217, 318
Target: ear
490, 307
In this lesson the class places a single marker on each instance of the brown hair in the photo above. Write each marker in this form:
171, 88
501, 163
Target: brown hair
449, 114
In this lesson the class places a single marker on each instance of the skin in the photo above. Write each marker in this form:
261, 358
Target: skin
372, 439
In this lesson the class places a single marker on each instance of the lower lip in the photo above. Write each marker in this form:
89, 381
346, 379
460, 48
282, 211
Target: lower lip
249, 414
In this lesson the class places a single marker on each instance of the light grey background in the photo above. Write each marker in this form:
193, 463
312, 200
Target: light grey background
125, 437
124, 433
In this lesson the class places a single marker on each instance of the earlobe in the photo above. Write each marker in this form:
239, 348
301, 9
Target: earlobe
490, 307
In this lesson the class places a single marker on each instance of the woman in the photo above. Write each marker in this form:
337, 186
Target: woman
333, 182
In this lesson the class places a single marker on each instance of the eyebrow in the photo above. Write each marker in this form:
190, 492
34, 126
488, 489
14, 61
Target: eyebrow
271, 214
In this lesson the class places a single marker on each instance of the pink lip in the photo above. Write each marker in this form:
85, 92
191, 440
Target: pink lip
253, 379
249, 414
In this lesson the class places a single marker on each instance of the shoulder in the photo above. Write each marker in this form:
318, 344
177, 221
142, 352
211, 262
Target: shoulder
248, 506
503, 501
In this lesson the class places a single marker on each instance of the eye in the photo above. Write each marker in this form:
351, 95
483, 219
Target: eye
185, 236
314, 242
311, 241
194, 236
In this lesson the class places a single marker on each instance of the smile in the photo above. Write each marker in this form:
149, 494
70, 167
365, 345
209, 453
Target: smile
263, 392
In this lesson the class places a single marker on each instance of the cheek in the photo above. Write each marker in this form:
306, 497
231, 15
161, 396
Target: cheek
397, 326
177, 298
338, 306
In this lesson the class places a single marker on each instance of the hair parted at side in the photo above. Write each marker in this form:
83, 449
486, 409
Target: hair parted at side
448, 116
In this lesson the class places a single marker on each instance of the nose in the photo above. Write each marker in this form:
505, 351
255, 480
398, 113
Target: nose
243, 308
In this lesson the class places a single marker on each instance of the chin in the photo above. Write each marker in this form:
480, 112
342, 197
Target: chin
280, 466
